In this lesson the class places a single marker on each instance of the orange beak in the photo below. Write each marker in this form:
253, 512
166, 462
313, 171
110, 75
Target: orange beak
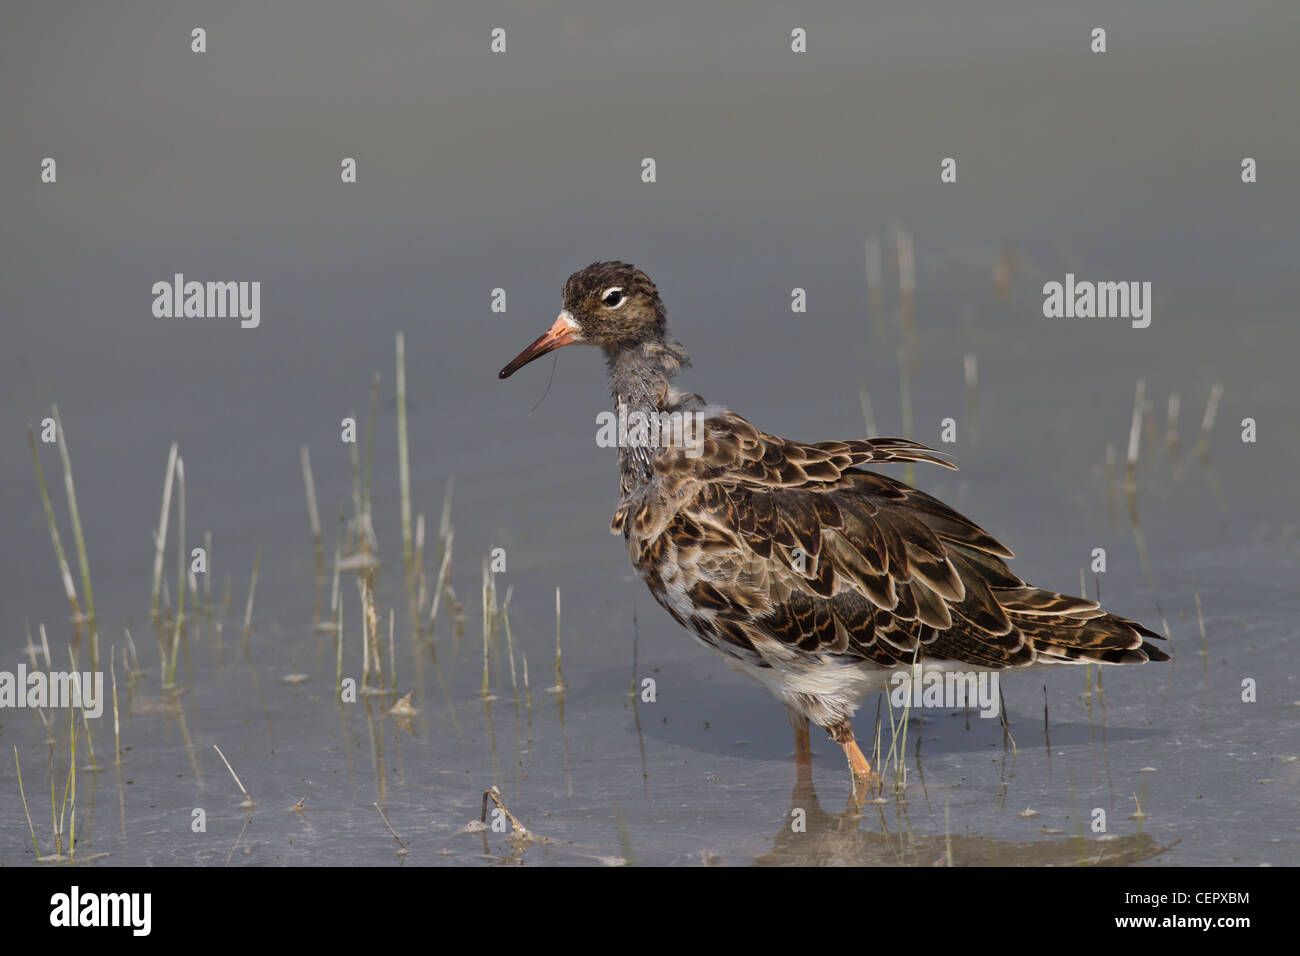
563, 332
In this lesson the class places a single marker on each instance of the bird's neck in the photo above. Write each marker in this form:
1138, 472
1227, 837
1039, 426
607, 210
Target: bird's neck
640, 379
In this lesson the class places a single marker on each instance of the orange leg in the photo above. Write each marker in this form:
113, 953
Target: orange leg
859, 766
858, 762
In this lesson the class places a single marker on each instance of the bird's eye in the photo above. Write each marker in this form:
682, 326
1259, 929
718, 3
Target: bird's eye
613, 297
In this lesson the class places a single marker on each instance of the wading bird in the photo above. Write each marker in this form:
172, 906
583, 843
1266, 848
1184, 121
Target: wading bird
805, 570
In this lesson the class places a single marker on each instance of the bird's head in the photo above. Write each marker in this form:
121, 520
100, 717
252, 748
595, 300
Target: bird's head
612, 305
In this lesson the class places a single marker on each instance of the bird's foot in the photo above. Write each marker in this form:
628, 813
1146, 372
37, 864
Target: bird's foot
861, 776
860, 773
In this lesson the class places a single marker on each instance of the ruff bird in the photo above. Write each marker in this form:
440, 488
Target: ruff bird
804, 569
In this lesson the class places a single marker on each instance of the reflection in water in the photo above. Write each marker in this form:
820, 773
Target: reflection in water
636, 716
564, 736
493, 757
809, 836
248, 818
872, 835
558, 690
376, 751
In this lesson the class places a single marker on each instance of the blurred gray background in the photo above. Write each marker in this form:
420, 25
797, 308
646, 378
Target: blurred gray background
479, 170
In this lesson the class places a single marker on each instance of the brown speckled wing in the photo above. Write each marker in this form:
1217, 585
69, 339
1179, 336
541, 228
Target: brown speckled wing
760, 539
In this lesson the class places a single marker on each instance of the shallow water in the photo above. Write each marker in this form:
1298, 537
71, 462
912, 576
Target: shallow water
479, 172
